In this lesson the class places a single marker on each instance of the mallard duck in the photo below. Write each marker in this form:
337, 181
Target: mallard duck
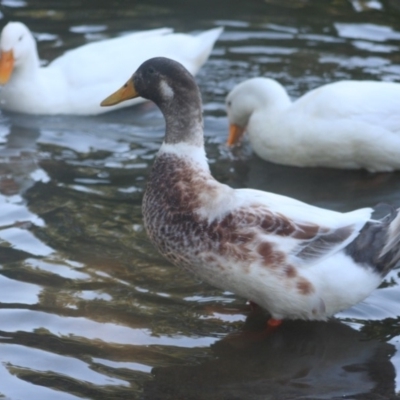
295, 260
76, 82
347, 124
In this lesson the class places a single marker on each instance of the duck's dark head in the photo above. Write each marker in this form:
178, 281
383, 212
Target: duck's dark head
168, 84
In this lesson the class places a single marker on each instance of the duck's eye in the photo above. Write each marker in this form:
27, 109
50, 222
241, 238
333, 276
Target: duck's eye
151, 70
20, 38
229, 103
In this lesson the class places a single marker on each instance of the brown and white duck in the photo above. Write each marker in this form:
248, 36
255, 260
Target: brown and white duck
295, 260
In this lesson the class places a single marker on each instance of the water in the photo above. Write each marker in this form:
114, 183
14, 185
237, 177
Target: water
88, 309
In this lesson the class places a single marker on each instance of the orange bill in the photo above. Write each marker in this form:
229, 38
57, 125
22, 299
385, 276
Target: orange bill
235, 134
6, 66
127, 92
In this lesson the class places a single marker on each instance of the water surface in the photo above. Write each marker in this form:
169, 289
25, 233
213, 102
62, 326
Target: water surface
89, 309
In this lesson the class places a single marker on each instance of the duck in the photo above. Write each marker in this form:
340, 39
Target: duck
77, 81
295, 260
346, 124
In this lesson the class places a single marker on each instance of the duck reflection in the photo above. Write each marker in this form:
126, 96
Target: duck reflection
18, 160
318, 360
324, 187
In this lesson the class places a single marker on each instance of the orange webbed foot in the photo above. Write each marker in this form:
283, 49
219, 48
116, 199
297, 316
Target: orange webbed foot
274, 323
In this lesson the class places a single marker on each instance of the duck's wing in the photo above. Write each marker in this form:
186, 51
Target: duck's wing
305, 234
371, 102
108, 46
106, 60
113, 60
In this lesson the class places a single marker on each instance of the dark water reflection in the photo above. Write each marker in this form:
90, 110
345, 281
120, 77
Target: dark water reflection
88, 309
303, 360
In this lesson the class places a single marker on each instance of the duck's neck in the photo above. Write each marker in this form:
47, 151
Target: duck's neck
184, 136
188, 131
29, 65
192, 153
183, 119
270, 95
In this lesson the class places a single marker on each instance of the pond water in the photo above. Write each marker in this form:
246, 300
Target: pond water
89, 309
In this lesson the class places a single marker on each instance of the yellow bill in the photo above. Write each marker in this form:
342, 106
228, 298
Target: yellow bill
235, 134
6, 66
127, 92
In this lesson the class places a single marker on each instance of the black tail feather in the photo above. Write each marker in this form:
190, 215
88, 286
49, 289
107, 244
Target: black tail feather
378, 244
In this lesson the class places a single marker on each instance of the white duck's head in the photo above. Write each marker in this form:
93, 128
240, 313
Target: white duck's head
16, 45
249, 96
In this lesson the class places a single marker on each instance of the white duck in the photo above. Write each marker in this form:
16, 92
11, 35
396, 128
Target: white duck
293, 259
348, 124
76, 82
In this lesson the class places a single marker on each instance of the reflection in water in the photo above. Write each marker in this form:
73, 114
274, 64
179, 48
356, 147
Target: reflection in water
327, 188
87, 306
302, 360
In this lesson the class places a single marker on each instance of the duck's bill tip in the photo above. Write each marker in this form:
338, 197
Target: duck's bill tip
235, 134
126, 92
6, 66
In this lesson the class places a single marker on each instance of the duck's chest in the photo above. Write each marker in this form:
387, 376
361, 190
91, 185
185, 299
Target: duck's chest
173, 195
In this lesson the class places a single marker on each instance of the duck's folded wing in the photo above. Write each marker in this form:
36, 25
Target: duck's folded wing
304, 233
324, 243
109, 60
370, 102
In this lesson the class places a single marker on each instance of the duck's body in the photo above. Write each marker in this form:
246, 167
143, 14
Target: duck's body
347, 124
293, 259
77, 81
288, 257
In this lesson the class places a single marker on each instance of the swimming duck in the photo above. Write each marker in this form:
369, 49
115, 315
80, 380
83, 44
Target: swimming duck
295, 260
76, 82
347, 124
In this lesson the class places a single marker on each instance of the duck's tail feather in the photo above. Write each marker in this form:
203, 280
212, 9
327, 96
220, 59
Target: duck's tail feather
391, 251
378, 244
207, 40
210, 36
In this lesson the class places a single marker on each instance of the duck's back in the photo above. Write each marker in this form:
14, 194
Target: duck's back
375, 103
106, 59
113, 59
